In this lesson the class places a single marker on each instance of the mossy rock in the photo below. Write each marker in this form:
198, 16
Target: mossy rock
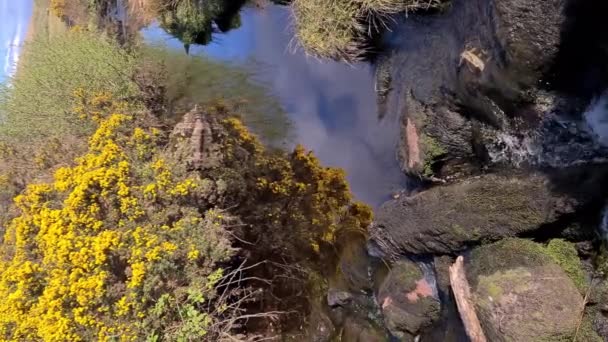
408, 301
448, 219
522, 293
565, 255
432, 152
512, 253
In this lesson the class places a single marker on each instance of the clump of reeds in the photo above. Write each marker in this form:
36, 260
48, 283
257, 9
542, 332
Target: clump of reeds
341, 29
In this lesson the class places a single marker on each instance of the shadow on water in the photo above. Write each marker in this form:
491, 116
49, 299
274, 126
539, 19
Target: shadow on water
332, 106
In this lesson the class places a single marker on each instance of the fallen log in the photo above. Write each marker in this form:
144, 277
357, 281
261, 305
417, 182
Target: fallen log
466, 309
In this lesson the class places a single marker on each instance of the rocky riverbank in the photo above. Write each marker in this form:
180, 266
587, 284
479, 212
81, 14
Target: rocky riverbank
513, 169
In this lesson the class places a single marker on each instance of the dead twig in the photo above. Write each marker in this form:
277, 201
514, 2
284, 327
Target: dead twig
582, 316
462, 294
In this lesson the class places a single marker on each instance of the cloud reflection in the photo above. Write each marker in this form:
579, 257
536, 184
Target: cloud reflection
332, 105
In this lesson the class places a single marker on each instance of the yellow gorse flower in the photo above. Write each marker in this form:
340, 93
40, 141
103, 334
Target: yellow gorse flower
58, 261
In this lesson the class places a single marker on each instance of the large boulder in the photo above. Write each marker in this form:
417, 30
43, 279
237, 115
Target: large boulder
467, 81
522, 294
448, 219
408, 300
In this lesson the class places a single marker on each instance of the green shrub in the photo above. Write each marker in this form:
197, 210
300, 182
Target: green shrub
115, 245
38, 102
192, 21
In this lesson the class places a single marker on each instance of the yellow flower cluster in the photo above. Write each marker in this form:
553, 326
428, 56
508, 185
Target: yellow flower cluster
298, 192
74, 262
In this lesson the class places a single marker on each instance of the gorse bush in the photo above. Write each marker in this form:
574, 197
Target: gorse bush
116, 234
300, 202
126, 242
116, 246
37, 102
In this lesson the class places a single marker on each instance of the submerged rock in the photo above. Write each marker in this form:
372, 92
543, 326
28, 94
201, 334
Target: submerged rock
407, 300
522, 294
448, 219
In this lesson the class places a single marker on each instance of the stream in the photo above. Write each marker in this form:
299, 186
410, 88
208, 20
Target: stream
333, 110
362, 118
332, 106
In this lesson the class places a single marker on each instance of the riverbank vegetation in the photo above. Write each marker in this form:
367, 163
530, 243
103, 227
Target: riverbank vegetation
116, 225
343, 29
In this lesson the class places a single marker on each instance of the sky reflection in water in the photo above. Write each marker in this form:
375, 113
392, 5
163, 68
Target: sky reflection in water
332, 105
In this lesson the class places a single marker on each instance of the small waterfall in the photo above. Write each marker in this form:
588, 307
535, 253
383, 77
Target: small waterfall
513, 150
603, 228
596, 117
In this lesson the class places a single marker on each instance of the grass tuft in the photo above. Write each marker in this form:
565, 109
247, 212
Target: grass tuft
341, 29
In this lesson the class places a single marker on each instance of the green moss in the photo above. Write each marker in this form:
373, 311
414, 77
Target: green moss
564, 254
492, 285
509, 253
432, 150
515, 200
459, 230
405, 272
512, 253
494, 290
585, 334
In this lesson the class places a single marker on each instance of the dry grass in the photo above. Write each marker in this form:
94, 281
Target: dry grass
340, 29
397, 6
144, 12
329, 28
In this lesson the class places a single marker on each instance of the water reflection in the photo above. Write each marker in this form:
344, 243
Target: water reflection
332, 105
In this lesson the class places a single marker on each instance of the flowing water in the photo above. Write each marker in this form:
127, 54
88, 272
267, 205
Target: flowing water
597, 119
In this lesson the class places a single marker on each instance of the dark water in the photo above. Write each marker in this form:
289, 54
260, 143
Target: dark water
332, 106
